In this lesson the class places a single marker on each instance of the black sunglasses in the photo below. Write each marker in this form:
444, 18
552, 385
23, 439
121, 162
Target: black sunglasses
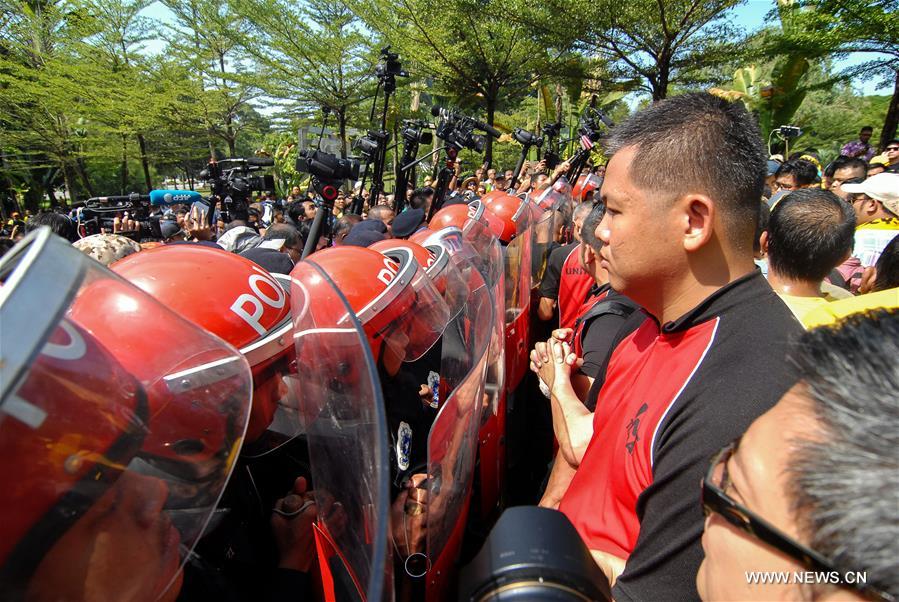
714, 499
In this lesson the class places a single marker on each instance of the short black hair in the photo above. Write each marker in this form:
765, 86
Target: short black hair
888, 266
810, 232
60, 224
296, 212
346, 223
420, 196
378, 211
591, 222
843, 161
291, 235
699, 143
804, 171
843, 482
866, 128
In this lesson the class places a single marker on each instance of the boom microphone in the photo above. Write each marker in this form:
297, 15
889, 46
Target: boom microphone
260, 161
172, 197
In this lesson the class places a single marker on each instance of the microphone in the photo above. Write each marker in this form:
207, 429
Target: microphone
171, 197
261, 161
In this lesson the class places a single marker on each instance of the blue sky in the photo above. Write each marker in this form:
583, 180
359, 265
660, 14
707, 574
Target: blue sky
749, 16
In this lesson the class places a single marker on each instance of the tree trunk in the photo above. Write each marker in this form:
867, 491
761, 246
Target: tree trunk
232, 143
145, 163
341, 124
491, 112
81, 168
68, 179
124, 169
891, 121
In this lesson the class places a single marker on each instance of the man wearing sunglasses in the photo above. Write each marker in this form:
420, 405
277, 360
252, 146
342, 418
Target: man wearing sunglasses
804, 505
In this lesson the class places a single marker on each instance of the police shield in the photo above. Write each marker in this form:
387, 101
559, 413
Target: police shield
517, 270
550, 210
341, 406
117, 441
452, 442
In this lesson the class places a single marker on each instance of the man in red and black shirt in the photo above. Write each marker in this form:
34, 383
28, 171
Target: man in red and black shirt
681, 194
566, 283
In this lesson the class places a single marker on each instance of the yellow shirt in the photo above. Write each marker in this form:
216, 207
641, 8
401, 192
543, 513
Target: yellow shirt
831, 312
802, 306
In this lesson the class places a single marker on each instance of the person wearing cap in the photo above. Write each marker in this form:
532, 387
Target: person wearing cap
363, 237
876, 205
408, 223
877, 165
106, 248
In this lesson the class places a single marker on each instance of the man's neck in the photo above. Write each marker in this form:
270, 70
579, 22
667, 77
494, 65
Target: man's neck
790, 286
693, 290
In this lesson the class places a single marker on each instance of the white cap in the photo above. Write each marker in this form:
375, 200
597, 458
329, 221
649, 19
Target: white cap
883, 187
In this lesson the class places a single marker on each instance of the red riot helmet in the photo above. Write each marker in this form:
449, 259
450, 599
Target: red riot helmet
234, 299
505, 214
421, 236
392, 297
117, 440
439, 268
586, 184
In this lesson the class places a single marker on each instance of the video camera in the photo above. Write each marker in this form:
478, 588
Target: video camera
233, 186
414, 131
390, 65
457, 130
527, 138
99, 213
326, 166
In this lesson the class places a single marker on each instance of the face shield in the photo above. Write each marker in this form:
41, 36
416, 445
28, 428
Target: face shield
118, 443
408, 315
341, 406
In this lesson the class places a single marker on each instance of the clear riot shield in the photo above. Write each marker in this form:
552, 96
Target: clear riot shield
452, 442
487, 258
340, 403
551, 209
117, 441
517, 264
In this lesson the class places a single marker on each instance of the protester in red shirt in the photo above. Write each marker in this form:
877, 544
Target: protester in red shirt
681, 194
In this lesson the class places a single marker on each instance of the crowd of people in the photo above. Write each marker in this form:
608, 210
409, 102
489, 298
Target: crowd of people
721, 376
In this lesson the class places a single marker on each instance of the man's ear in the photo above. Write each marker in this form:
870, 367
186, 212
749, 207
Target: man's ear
763, 242
699, 215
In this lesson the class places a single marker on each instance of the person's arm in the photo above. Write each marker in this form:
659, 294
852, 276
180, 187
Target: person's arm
559, 479
546, 308
572, 421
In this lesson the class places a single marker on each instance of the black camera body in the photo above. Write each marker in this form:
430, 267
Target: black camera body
527, 138
99, 215
326, 166
414, 131
390, 65
234, 186
370, 144
457, 130
789, 131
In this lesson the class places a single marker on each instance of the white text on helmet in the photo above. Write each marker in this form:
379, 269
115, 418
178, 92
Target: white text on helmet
387, 274
256, 300
73, 350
